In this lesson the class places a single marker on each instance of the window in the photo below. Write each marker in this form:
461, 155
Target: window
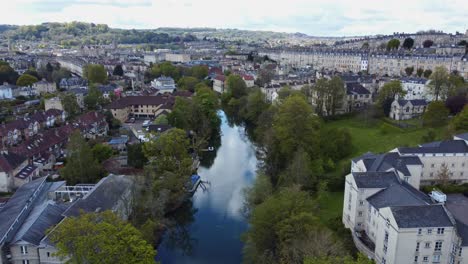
416, 258
429, 231
24, 250
417, 246
361, 202
425, 259
25, 261
436, 258
440, 231
432, 165
438, 246
360, 213
385, 249
48, 254
384, 261
386, 237
427, 245
419, 231
453, 165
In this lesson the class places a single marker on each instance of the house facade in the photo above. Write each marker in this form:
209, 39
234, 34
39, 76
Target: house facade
219, 83
44, 86
141, 106
407, 109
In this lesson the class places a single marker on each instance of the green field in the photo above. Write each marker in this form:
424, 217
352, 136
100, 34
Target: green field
368, 135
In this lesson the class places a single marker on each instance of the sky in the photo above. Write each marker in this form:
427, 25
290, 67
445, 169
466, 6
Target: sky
312, 17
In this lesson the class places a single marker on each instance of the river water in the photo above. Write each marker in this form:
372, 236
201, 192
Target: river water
208, 229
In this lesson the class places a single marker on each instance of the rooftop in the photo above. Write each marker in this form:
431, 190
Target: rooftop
421, 216
375, 179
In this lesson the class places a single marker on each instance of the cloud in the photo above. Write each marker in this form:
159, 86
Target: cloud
319, 17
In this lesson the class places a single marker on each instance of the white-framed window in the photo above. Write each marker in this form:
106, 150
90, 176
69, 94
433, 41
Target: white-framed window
24, 250
419, 231
438, 246
416, 258
425, 259
417, 246
429, 231
436, 258
360, 213
427, 245
25, 261
440, 231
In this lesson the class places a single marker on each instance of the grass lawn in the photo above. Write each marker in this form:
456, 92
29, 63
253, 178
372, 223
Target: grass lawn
331, 206
367, 136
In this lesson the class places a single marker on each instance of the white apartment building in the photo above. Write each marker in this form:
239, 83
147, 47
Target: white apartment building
392, 221
416, 88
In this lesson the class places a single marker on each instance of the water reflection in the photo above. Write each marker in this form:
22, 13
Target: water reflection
214, 234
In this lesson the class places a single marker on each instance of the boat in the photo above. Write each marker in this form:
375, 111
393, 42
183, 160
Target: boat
195, 180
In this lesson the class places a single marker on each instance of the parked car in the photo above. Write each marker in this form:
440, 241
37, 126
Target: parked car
146, 123
130, 120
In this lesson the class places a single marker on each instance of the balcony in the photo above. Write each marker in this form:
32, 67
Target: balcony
364, 243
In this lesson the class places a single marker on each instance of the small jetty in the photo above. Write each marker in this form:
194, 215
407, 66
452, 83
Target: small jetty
195, 181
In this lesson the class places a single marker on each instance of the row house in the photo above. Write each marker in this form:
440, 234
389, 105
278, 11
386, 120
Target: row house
92, 125
12, 171
18, 130
141, 106
43, 87
219, 83
357, 97
416, 88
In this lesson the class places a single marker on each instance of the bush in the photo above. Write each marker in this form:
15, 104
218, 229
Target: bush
386, 128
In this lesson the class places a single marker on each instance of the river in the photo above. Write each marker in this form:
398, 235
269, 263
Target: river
209, 227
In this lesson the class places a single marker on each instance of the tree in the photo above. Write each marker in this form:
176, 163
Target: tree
187, 83
236, 86
408, 43
365, 45
200, 71
419, 72
7, 73
460, 121
102, 152
70, 105
161, 120
393, 44
428, 43
26, 80
427, 73
336, 93
388, 93
94, 99
443, 174
264, 77
135, 156
299, 171
456, 103
80, 166
409, 70
58, 75
118, 70
295, 126
438, 82
258, 192
95, 73
361, 259
436, 114
100, 238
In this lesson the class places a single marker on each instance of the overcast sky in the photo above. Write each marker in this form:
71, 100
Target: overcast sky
313, 17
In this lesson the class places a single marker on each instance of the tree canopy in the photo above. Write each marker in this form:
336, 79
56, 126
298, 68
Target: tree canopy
393, 44
70, 105
439, 82
101, 238
436, 114
26, 80
388, 93
118, 70
95, 73
428, 43
408, 43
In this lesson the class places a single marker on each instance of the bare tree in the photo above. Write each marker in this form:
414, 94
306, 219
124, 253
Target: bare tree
444, 174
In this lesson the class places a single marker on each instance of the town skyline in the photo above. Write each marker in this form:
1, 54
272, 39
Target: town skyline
321, 18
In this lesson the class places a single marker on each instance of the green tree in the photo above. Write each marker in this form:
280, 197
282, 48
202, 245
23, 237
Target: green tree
438, 82
409, 70
335, 95
365, 45
236, 86
170, 166
118, 70
187, 83
94, 100
388, 93
361, 259
258, 192
265, 76
419, 72
70, 105
254, 107
80, 166
299, 171
408, 43
428, 43
7, 73
161, 120
135, 156
58, 75
436, 114
26, 80
427, 73
100, 238
102, 152
393, 44
200, 71
95, 73
295, 126
460, 121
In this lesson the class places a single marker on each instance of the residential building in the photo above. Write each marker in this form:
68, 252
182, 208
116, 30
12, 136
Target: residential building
73, 83
141, 106
174, 57
249, 80
416, 88
6, 92
164, 84
357, 97
219, 83
407, 109
11, 166
53, 103
44, 86
392, 222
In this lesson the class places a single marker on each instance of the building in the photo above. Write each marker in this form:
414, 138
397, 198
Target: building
73, 83
407, 109
415, 88
164, 84
219, 83
6, 92
141, 106
249, 80
392, 222
420, 165
39, 206
11, 166
53, 103
179, 58
44, 86
357, 97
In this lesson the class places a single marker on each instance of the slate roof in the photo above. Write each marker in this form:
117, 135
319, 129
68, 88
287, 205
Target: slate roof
388, 161
141, 100
40, 222
104, 196
14, 207
26, 172
421, 216
9, 161
462, 136
448, 146
399, 195
375, 179
414, 102
356, 89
